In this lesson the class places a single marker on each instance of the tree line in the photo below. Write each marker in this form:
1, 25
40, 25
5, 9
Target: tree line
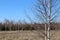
13, 26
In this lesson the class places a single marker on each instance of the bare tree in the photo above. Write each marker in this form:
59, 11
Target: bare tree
6, 23
46, 10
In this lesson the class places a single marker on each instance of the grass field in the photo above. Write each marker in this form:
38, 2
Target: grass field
27, 35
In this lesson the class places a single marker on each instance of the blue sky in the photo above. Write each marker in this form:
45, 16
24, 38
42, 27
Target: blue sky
15, 9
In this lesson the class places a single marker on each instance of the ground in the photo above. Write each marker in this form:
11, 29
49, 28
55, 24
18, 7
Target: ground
28, 35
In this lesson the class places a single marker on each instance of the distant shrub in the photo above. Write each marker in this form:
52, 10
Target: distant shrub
52, 28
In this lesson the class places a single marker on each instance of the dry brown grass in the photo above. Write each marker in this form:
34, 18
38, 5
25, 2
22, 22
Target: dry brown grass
27, 35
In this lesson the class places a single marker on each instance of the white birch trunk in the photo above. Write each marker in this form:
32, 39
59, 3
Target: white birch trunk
45, 32
49, 14
45, 14
48, 33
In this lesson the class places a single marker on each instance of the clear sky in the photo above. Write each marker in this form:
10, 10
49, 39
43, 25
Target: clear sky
15, 9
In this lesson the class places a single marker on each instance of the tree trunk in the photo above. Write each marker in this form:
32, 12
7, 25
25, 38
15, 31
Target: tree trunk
49, 15
45, 32
48, 33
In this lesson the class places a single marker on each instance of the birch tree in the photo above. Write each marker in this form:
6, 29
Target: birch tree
47, 11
